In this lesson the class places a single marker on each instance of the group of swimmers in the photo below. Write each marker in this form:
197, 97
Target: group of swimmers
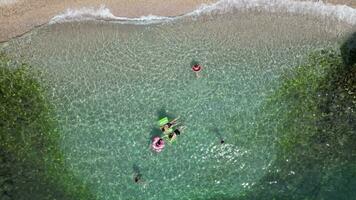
170, 130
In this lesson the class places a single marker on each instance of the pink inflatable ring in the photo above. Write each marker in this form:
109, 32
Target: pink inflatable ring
157, 144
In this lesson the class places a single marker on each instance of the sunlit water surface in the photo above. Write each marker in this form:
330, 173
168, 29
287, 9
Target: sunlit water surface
110, 83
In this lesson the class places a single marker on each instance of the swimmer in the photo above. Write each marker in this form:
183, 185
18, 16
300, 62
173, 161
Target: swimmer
157, 144
196, 69
173, 135
138, 178
167, 128
222, 141
178, 130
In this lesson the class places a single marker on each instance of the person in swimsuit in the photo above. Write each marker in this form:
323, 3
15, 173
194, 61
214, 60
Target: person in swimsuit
173, 135
196, 68
159, 142
138, 178
167, 128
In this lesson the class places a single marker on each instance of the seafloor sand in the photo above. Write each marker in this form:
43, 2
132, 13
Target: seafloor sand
20, 16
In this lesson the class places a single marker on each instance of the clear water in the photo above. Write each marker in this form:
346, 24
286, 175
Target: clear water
110, 83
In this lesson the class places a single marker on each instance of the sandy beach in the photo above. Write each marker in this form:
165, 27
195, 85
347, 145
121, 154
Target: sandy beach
19, 16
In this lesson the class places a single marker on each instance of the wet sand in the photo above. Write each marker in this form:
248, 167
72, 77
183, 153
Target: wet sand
19, 16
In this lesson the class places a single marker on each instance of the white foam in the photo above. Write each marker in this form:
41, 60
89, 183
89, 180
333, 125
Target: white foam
340, 12
7, 2
103, 13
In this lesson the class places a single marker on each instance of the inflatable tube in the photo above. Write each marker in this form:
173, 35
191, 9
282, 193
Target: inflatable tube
196, 68
157, 144
163, 121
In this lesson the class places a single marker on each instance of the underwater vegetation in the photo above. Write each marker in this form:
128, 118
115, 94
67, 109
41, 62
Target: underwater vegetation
31, 164
313, 118
315, 124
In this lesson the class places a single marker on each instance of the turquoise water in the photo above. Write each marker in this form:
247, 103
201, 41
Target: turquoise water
110, 83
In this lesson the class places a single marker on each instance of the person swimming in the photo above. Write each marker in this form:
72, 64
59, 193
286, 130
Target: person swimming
167, 128
157, 144
178, 130
196, 68
173, 135
138, 178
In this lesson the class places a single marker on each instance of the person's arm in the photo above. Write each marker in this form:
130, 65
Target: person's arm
174, 122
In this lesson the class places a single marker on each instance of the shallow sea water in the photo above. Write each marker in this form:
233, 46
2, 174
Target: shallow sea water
111, 82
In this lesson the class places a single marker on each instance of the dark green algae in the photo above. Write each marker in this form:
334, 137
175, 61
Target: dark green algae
31, 163
312, 116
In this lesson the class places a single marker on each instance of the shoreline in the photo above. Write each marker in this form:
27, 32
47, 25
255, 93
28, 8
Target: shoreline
18, 17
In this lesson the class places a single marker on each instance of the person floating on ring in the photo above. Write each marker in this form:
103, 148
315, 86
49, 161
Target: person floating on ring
196, 67
157, 144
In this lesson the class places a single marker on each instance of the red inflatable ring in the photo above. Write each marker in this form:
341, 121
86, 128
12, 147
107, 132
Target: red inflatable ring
196, 68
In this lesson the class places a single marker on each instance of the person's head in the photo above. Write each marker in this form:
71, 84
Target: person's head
165, 127
159, 142
137, 177
222, 141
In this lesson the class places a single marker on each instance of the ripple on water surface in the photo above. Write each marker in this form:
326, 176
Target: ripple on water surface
110, 82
